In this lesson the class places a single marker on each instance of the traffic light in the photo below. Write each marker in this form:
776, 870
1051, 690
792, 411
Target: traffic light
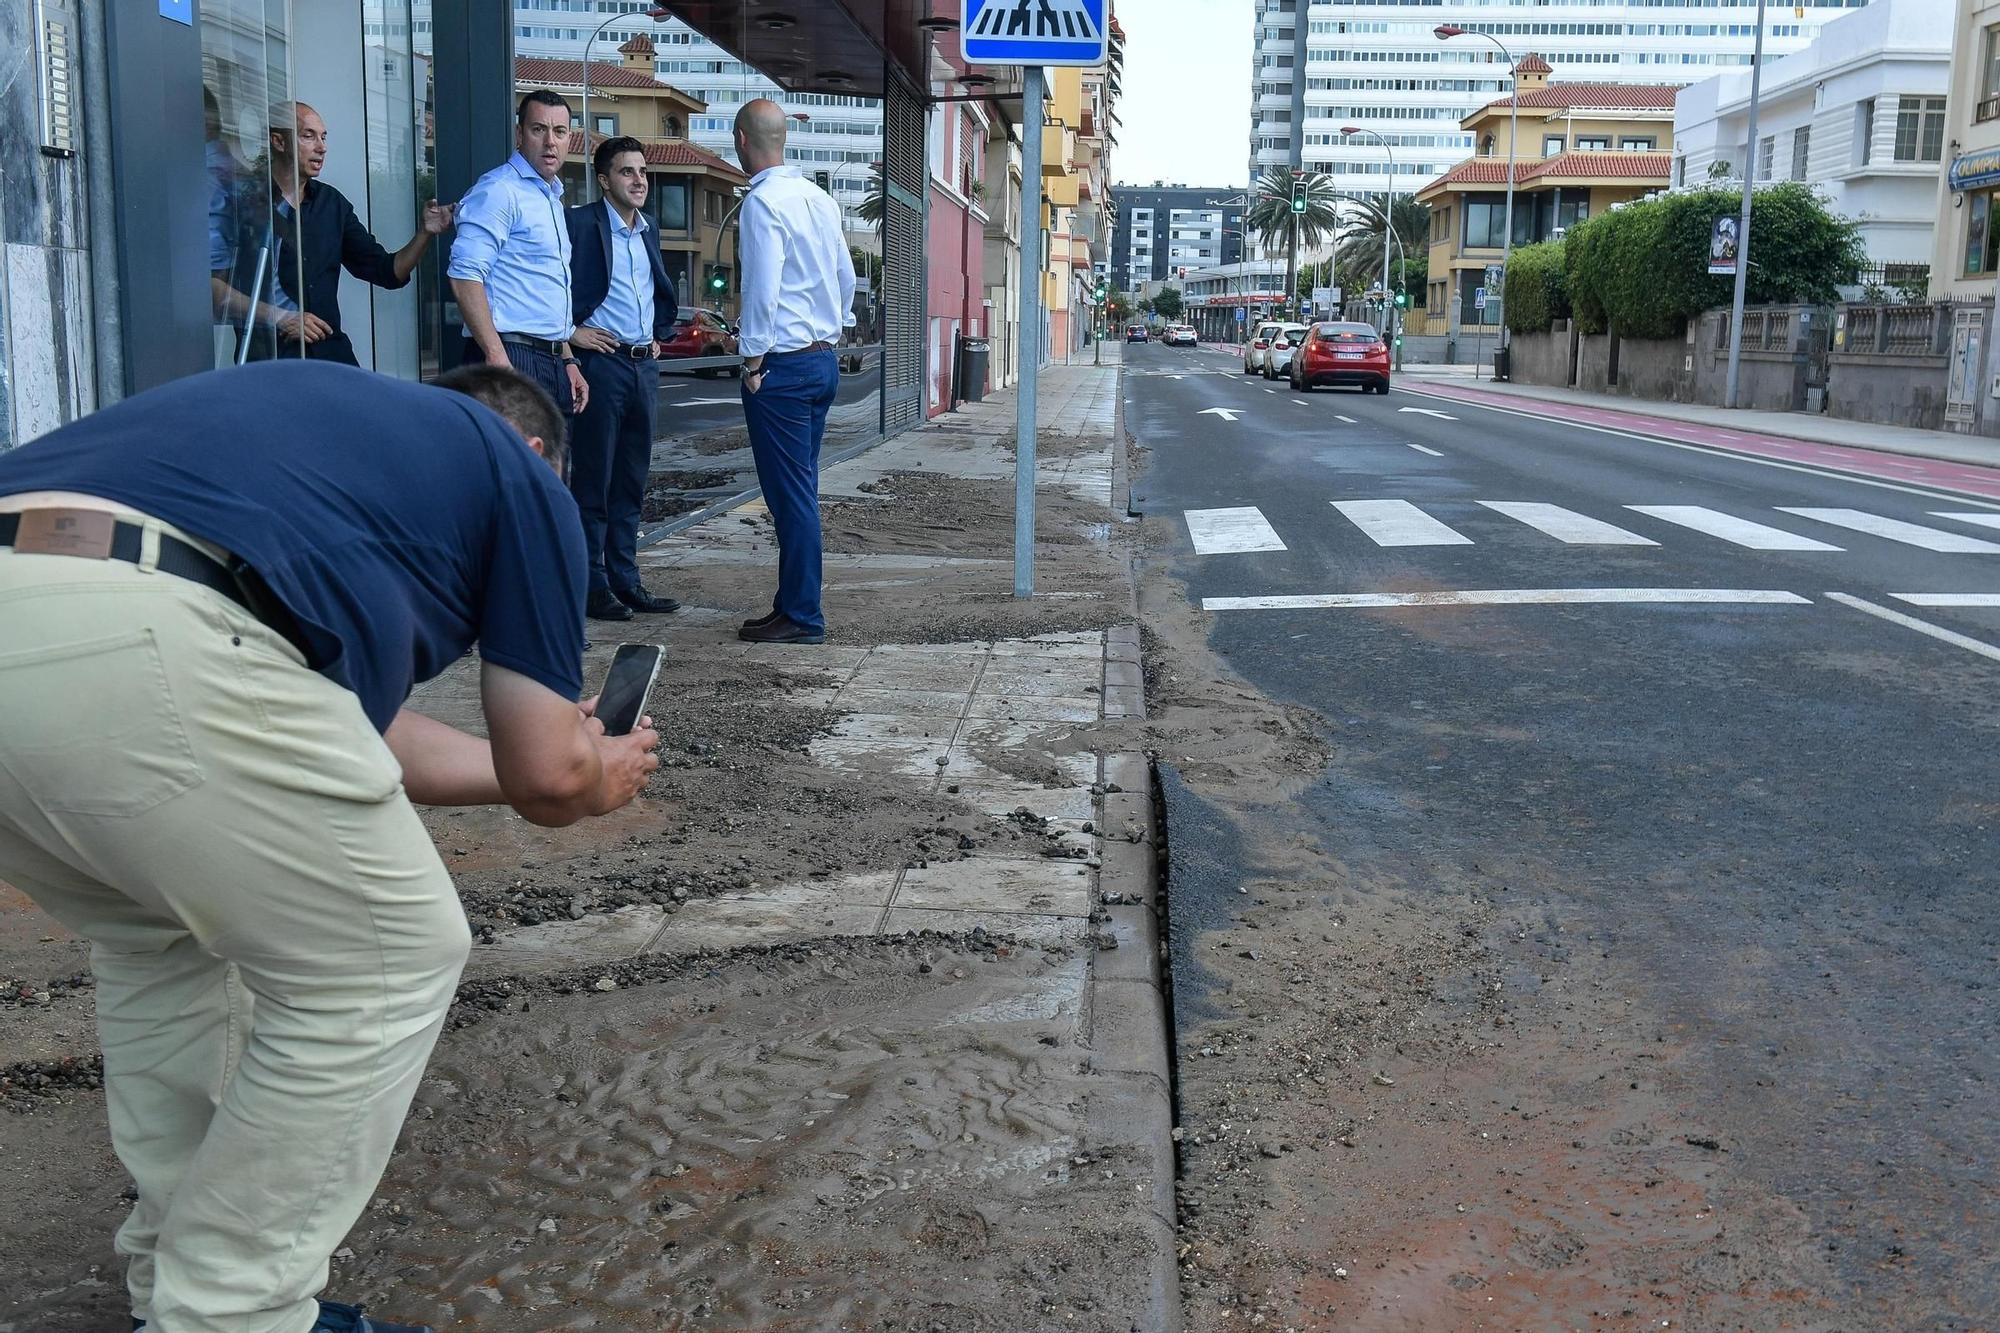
1299, 193
717, 280
1402, 299
1103, 291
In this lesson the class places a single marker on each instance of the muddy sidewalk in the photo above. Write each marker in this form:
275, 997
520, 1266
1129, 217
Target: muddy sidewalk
851, 1022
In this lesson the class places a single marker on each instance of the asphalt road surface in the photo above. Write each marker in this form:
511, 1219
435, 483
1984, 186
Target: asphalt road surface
1742, 714
692, 403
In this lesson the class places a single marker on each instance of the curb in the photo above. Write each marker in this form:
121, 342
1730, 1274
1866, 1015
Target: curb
1126, 997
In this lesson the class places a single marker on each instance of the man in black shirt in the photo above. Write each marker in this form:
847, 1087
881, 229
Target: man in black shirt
317, 234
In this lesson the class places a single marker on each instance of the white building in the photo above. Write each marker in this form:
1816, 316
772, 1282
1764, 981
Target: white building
1380, 66
1859, 113
1967, 257
841, 135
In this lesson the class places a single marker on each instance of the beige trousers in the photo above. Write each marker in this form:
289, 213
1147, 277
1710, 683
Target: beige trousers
274, 938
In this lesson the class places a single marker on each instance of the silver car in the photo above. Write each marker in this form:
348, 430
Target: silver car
1284, 340
1260, 342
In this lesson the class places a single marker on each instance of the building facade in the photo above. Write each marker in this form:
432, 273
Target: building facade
1860, 114
1160, 229
1321, 65
1966, 249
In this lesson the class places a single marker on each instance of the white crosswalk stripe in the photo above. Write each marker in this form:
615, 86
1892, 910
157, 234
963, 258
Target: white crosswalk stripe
1398, 523
1895, 530
1566, 525
1728, 527
1982, 518
1229, 531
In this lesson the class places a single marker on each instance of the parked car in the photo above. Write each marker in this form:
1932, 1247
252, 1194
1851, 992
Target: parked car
701, 333
1135, 333
1339, 352
1182, 335
1278, 356
1260, 343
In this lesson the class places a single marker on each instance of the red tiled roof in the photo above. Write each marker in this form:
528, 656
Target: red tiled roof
542, 72
663, 152
1620, 96
1533, 63
1493, 171
640, 44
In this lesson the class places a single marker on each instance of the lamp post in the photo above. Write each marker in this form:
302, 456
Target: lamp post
1445, 32
1388, 221
589, 176
1743, 226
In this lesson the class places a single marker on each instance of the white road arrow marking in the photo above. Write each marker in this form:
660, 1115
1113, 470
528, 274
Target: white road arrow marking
1441, 416
704, 402
1227, 414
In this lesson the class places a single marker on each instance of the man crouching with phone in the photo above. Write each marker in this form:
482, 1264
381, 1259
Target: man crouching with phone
217, 596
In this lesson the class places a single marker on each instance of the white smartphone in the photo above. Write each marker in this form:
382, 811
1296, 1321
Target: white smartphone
622, 701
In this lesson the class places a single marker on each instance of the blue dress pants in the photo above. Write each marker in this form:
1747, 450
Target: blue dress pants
543, 368
787, 421
610, 454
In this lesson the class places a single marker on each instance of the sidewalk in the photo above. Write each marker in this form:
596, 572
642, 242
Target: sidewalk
1970, 450
853, 1021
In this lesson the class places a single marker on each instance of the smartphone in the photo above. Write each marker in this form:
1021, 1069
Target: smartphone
622, 701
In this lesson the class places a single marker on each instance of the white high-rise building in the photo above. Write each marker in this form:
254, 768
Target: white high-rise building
1321, 65
840, 135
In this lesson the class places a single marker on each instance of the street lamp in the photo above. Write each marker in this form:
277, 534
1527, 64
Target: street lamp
1445, 32
589, 176
1388, 219
1743, 227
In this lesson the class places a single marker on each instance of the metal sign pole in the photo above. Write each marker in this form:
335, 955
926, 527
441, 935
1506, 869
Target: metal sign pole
1031, 331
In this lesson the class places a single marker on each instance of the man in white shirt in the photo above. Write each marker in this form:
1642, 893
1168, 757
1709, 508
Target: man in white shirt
798, 293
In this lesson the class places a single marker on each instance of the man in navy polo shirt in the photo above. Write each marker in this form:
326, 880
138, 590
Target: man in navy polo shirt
218, 595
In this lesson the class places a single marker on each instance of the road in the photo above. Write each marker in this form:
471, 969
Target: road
1713, 739
690, 404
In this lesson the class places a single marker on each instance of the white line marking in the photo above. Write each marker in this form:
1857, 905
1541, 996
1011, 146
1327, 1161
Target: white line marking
1442, 416
1937, 632
1948, 598
1227, 531
1509, 597
1895, 530
1349, 420
1226, 413
1420, 449
1270, 391
1983, 520
1935, 491
1398, 523
1566, 525
1731, 529
1299, 401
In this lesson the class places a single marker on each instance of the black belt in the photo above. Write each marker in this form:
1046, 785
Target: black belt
235, 580
532, 343
627, 351
797, 351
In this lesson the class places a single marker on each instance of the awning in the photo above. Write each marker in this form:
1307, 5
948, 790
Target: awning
1970, 171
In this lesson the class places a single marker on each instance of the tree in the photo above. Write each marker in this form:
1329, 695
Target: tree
874, 206
1270, 217
1118, 307
1535, 293
1357, 253
1166, 303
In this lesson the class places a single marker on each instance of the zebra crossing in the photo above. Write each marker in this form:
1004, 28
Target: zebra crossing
1401, 523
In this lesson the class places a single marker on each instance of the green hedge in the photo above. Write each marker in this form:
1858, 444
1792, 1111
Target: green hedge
1537, 295
1643, 267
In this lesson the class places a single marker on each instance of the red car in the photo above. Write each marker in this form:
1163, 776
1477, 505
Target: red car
702, 333
1338, 352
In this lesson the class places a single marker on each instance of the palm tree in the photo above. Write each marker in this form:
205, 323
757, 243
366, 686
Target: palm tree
1357, 253
874, 206
1271, 219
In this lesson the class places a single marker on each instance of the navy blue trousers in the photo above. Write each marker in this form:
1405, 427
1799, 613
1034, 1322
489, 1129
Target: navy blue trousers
610, 455
787, 421
544, 368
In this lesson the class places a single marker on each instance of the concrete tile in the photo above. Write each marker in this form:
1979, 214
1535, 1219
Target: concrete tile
1084, 643
1073, 684
966, 766
971, 651
728, 923
1022, 708
601, 937
982, 884
1034, 927
896, 726
925, 703
1003, 798
1124, 673
912, 758
827, 655
917, 673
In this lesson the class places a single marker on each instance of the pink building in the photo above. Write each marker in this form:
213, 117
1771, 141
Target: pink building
955, 303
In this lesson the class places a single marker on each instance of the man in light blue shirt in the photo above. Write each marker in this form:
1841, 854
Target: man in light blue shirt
623, 307
509, 264
798, 293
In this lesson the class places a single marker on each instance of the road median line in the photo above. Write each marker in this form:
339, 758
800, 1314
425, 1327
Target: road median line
1340, 601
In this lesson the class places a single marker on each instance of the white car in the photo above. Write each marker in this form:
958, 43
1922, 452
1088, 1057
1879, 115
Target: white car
1260, 342
1182, 335
1285, 339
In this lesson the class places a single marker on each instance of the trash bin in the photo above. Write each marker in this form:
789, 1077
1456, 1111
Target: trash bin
1500, 363
971, 380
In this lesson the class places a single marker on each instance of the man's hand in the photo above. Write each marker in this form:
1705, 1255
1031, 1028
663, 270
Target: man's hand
659, 349
302, 326
593, 340
437, 218
627, 761
579, 390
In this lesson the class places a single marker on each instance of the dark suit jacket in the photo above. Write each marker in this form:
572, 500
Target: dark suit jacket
590, 268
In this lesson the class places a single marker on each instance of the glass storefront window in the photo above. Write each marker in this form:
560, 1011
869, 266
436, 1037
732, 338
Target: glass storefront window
1978, 240
245, 84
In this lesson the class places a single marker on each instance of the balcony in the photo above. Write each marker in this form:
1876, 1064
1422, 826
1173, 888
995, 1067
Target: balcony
1987, 109
1058, 149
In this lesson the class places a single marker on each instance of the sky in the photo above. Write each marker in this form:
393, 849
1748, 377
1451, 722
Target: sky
1185, 113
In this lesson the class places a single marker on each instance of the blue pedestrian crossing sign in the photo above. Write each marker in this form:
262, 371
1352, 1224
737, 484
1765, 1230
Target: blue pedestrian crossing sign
1034, 32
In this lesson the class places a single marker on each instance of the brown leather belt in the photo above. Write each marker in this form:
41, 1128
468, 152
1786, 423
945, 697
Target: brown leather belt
92, 534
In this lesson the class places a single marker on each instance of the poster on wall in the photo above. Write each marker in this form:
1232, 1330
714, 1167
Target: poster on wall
1722, 246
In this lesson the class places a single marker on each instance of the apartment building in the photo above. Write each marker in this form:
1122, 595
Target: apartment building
1162, 229
1966, 249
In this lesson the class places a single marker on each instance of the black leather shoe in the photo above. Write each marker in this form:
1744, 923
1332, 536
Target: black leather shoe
781, 629
604, 605
762, 620
644, 602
